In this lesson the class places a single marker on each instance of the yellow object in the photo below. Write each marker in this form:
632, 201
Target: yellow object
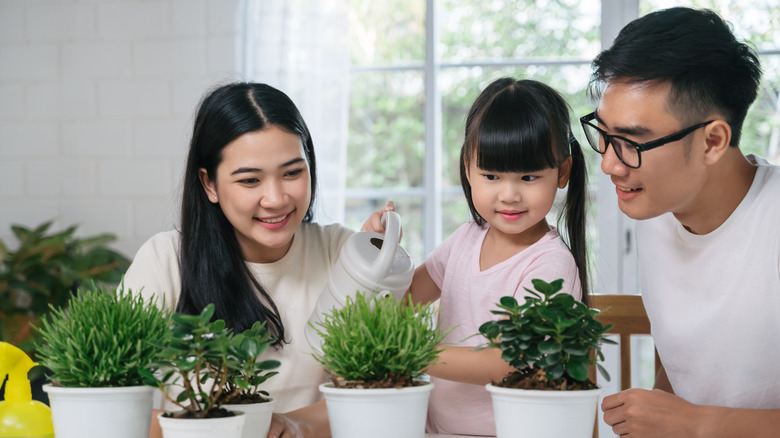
20, 415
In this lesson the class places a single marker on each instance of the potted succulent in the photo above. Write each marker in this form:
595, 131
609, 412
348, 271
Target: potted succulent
551, 340
210, 366
43, 269
376, 349
98, 349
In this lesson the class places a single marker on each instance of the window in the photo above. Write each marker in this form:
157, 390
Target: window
416, 67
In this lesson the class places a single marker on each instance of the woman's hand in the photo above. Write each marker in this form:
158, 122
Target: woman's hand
374, 222
308, 422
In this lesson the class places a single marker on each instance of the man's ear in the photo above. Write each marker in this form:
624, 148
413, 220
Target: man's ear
208, 185
564, 172
717, 136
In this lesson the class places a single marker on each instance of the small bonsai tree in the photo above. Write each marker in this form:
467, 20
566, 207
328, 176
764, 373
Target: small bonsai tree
211, 365
378, 342
105, 338
550, 340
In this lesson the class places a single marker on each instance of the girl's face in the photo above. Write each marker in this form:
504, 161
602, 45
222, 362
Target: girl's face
515, 204
263, 186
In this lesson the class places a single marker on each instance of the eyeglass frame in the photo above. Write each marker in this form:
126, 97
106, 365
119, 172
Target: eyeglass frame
640, 147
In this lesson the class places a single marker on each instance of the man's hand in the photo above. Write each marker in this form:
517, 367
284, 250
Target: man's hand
645, 414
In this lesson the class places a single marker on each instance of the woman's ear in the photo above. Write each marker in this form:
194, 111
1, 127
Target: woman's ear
717, 136
564, 172
208, 186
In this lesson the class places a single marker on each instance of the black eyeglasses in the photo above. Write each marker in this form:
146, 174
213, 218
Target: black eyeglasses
627, 151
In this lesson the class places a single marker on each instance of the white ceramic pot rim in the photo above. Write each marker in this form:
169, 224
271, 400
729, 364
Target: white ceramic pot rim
89, 390
328, 388
540, 393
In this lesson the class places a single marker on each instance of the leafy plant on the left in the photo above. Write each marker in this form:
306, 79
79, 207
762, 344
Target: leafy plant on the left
210, 365
44, 270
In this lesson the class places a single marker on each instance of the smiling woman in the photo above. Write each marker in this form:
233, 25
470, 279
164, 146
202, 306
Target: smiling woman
263, 187
247, 243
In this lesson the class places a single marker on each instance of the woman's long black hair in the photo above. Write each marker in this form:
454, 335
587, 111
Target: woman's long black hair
213, 269
524, 126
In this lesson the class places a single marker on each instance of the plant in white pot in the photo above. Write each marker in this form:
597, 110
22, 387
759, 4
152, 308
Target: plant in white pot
206, 366
551, 340
376, 350
242, 386
98, 349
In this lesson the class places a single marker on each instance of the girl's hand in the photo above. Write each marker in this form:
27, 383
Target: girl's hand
374, 222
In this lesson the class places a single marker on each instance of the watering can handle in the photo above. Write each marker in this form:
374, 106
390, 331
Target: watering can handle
392, 223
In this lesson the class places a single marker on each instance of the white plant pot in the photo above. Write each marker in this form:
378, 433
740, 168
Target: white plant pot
226, 427
522, 413
121, 412
258, 417
377, 413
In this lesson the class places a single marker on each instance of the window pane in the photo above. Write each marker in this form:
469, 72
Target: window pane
505, 29
761, 132
386, 130
387, 32
757, 21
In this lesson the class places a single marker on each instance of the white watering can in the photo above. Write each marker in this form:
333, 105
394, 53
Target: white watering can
370, 262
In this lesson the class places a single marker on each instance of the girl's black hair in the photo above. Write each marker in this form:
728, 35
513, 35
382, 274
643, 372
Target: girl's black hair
213, 269
524, 126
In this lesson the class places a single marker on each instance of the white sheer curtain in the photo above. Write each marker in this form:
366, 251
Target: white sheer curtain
301, 47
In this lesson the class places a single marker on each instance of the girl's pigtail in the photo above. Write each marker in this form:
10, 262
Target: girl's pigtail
575, 214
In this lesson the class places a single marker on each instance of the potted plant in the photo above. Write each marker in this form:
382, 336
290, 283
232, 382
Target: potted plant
242, 386
210, 366
97, 350
551, 341
375, 349
44, 269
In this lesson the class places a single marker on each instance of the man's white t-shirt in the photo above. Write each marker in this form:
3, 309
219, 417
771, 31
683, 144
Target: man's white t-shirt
714, 300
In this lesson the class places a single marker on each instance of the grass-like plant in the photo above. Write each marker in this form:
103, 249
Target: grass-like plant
104, 338
211, 365
378, 342
550, 340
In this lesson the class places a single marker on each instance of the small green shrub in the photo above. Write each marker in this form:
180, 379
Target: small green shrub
105, 338
551, 333
211, 364
379, 342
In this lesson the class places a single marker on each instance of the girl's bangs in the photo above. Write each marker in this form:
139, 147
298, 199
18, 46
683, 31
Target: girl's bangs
511, 142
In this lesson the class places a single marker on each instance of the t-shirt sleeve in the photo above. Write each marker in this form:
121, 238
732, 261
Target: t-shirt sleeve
154, 272
436, 263
552, 265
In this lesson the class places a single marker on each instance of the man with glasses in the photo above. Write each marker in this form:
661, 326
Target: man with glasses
674, 90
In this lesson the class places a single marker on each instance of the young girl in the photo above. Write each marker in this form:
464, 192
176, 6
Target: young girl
518, 151
247, 242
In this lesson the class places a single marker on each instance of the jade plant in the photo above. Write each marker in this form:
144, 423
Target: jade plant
104, 338
210, 365
551, 340
378, 342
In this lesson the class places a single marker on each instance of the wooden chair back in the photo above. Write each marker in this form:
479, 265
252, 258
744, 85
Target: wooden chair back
627, 314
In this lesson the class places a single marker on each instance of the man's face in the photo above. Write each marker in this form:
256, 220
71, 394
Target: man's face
671, 176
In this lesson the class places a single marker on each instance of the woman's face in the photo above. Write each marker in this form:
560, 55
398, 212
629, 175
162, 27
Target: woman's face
263, 186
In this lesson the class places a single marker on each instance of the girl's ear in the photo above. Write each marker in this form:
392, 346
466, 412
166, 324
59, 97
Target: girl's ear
717, 137
208, 185
564, 172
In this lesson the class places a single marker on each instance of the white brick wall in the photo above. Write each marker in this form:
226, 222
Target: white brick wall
96, 106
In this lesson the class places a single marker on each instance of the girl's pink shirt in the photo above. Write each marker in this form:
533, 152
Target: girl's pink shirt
467, 297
